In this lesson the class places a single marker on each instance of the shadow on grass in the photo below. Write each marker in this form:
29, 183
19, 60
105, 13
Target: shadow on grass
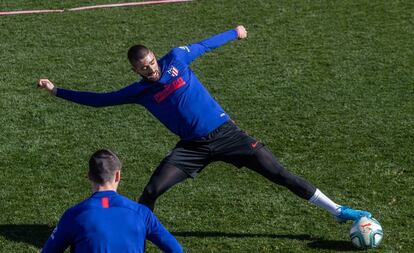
202, 234
34, 234
37, 234
315, 243
332, 245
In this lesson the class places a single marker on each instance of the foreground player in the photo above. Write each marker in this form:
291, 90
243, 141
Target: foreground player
170, 90
107, 221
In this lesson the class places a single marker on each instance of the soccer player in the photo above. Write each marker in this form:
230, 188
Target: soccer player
108, 221
170, 90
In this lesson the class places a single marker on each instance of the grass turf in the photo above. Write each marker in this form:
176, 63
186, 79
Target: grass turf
327, 86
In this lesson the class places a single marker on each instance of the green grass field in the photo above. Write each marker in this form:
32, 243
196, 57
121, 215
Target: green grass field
327, 85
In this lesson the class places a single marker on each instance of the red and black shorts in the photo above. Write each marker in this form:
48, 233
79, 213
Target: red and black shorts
227, 143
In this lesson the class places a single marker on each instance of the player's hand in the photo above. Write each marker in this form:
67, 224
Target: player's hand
46, 84
241, 32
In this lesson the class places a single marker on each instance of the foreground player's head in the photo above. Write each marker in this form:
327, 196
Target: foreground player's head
104, 170
144, 63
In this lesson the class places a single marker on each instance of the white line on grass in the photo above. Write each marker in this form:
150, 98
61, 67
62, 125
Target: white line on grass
4, 13
126, 4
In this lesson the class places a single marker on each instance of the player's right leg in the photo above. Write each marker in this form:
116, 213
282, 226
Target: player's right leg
186, 160
163, 178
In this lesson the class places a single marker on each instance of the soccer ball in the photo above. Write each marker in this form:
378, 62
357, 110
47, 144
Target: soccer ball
366, 233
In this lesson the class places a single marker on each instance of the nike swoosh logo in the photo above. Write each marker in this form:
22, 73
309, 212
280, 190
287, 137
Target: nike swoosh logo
253, 145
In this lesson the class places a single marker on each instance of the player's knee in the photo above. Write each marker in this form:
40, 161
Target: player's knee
151, 192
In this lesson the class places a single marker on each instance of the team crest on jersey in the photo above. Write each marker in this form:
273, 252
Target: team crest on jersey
173, 71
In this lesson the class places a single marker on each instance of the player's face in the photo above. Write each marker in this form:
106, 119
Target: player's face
148, 68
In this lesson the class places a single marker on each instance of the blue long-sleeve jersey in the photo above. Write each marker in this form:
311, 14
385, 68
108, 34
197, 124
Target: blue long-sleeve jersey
178, 100
109, 222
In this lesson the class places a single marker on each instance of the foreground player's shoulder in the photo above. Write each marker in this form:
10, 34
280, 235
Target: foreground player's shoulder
131, 204
75, 210
69, 216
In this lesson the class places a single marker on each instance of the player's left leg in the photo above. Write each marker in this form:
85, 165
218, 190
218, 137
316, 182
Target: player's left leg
238, 148
263, 162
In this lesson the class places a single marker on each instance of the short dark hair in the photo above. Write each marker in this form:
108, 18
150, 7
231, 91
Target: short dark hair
136, 53
102, 166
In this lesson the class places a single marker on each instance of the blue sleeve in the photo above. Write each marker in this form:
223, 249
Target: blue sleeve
125, 95
160, 236
191, 52
61, 237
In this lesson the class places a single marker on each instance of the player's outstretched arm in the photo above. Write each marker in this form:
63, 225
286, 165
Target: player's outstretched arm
125, 95
190, 52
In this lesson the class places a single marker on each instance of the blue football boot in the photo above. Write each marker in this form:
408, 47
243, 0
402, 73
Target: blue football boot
346, 213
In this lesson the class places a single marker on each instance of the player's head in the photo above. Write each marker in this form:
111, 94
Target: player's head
104, 168
144, 63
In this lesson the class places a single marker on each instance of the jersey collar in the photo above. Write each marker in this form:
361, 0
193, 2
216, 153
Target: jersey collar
104, 193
